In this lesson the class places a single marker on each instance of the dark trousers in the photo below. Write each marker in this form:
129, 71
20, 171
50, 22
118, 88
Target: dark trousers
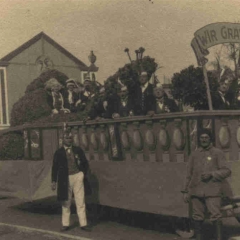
200, 204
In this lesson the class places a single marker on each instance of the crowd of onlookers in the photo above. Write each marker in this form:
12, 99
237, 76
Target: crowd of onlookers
144, 98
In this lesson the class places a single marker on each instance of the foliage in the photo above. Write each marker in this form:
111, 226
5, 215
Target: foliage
11, 146
189, 87
33, 105
129, 74
39, 82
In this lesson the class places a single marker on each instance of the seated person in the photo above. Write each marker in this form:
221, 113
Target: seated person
163, 103
122, 105
142, 97
70, 96
54, 97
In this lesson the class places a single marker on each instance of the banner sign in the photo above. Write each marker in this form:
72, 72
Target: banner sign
211, 35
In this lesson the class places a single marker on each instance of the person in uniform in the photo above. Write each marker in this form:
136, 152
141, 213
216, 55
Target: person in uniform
70, 96
143, 97
206, 171
163, 103
69, 171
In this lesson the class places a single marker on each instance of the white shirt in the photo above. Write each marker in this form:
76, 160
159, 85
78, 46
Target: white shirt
143, 88
70, 97
68, 149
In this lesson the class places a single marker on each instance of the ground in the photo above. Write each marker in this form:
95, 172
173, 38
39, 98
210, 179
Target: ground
42, 220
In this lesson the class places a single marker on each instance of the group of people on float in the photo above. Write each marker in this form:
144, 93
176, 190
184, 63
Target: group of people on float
144, 99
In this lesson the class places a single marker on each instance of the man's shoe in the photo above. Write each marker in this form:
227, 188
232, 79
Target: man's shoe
64, 228
86, 228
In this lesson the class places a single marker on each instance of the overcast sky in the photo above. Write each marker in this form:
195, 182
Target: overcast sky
164, 28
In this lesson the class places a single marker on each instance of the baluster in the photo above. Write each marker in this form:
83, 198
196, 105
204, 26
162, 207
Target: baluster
138, 142
164, 141
85, 142
224, 137
94, 142
75, 136
104, 141
150, 140
179, 140
125, 141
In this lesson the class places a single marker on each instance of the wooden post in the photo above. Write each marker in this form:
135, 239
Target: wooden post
208, 89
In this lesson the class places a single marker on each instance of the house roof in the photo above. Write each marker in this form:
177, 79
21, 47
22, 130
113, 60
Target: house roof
33, 40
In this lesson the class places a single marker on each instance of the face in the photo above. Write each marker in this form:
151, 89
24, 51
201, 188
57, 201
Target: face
205, 140
87, 86
224, 86
55, 89
67, 140
158, 92
70, 87
143, 79
123, 94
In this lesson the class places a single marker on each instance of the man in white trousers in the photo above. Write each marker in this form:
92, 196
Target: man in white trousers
69, 169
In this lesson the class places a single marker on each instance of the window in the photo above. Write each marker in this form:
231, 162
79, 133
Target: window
4, 119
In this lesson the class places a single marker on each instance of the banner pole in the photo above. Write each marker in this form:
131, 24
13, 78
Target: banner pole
208, 89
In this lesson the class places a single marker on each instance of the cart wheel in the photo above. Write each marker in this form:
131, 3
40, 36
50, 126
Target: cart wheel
184, 227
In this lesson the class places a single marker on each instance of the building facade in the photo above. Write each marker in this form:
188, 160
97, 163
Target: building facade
21, 66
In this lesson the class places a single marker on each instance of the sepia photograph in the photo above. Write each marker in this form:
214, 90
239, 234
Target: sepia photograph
120, 119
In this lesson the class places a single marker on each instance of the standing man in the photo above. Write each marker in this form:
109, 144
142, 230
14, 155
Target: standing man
69, 169
205, 172
143, 98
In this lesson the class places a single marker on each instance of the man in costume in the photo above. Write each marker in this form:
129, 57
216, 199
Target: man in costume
206, 171
55, 97
69, 171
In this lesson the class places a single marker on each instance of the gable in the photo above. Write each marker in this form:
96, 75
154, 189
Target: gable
26, 51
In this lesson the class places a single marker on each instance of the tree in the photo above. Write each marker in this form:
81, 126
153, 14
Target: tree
188, 87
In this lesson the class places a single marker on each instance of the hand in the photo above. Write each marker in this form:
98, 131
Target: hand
206, 176
166, 109
115, 115
186, 197
150, 113
131, 114
53, 186
54, 111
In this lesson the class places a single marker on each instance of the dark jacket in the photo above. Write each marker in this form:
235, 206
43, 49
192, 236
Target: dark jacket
218, 103
58, 105
60, 170
142, 101
96, 108
123, 111
67, 104
206, 161
167, 103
